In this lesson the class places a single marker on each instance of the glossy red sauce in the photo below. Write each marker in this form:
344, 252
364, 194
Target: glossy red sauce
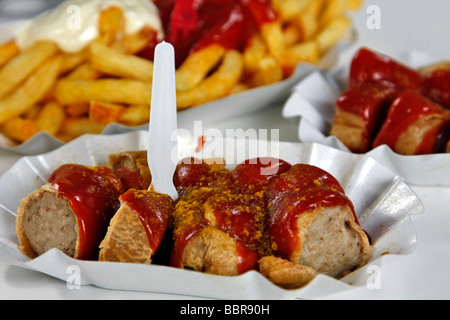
436, 86
131, 179
154, 211
246, 259
282, 223
195, 173
255, 209
408, 108
240, 215
93, 194
188, 221
194, 24
301, 189
368, 66
201, 143
253, 175
300, 177
370, 101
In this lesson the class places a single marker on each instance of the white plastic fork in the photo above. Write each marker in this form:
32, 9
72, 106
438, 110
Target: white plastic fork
162, 150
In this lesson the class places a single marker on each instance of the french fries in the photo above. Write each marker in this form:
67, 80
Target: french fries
8, 51
219, 84
108, 90
32, 91
20, 67
196, 66
112, 62
70, 94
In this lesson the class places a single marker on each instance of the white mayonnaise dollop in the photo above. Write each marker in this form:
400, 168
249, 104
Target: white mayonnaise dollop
74, 23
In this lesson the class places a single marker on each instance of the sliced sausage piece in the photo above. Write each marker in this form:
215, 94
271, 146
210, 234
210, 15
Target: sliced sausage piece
253, 175
284, 273
415, 125
132, 168
202, 239
70, 213
213, 251
46, 221
311, 222
138, 228
360, 112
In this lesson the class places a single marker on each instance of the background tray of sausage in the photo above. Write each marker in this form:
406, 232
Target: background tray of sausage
394, 109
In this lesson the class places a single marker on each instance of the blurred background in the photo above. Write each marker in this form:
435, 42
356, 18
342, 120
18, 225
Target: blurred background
23, 9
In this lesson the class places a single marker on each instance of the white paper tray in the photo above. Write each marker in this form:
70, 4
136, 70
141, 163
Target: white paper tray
225, 108
384, 203
313, 101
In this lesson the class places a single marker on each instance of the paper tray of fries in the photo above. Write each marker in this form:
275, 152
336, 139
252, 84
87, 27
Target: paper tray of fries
51, 96
313, 103
384, 203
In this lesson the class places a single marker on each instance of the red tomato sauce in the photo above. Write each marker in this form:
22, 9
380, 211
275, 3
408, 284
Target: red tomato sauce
191, 25
301, 189
368, 66
408, 108
93, 194
154, 211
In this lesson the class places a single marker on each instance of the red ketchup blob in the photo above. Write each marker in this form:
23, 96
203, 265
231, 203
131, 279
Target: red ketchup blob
368, 66
233, 203
299, 190
93, 194
191, 25
195, 173
253, 175
436, 86
154, 211
370, 101
408, 108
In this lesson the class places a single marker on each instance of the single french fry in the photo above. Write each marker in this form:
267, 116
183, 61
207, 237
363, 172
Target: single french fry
333, 32
51, 118
33, 90
32, 112
112, 62
8, 51
107, 90
75, 127
290, 9
315, 7
308, 51
332, 10
238, 88
103, 112
111, 24
21, 66
19, 129
219, 84
71, 61
136, 42
77, 110
84, 72
272, 34
197, 65
292, 34
254, 52
308, 24
270, 71
135, 115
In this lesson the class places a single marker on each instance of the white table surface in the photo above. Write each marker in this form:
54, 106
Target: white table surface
425, 274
